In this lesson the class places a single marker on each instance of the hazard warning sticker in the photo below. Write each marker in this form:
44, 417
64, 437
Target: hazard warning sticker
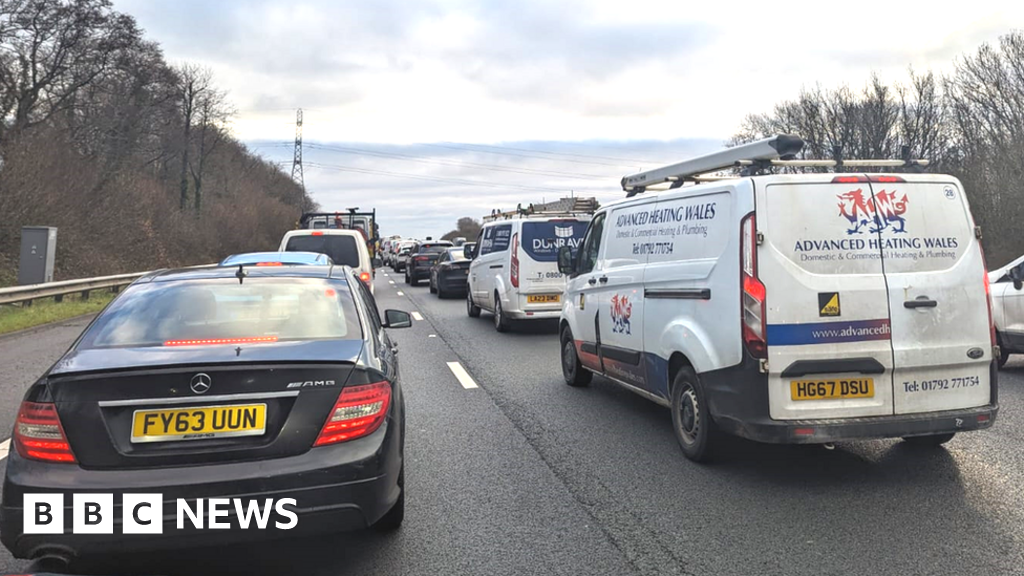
828, 303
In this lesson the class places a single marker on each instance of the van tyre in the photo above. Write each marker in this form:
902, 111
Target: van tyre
931, 440
471, 309
407, 281
691, 420
1004, 354
572, 370
500, 321
433, 290
392, 519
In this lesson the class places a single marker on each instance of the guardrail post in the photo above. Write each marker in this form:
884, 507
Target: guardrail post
58, 298
85, 294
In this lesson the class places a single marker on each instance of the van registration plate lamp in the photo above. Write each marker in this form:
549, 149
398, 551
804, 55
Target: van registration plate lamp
543, 298
832, 389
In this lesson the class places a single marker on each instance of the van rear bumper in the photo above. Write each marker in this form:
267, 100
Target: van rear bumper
844, 429
738, 400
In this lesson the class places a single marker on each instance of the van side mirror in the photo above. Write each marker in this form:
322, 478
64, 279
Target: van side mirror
566, 262
469, 252
397, 319
1017, 275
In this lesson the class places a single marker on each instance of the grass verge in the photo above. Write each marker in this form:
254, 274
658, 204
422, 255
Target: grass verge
18, 317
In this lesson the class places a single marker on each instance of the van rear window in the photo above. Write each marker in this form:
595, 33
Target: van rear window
541, 240
342, 249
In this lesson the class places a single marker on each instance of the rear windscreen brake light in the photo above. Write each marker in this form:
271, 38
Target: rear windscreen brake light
752, 305
215, 341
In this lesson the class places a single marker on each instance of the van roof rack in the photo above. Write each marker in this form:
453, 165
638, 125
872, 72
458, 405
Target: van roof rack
570, 208
754, 158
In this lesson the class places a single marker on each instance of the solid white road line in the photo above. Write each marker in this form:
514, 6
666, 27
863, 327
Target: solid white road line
417, 316
4, 447
463, 377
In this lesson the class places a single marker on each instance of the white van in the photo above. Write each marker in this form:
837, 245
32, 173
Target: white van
787, 308
514, 273
1007, 289
345, 248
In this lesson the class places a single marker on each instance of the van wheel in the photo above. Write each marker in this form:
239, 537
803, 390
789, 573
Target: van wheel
471, 309
392, 520
572, 370
691, 420
1004, 354
500, 322
407, 281
433, 290
932, 440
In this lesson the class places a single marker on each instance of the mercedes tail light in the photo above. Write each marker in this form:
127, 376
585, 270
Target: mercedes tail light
38, 434
359, 411
753, 298
514, 265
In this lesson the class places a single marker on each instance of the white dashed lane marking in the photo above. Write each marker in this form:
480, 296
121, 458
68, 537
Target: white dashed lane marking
4, 447
400, 293
462, 376
417, 316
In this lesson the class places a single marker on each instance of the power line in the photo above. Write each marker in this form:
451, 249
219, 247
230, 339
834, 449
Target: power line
592, 156
440, 179
455, 163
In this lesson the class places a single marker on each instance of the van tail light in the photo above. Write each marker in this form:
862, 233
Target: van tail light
365, 277
359, 411
38, 434
752, 303
514, 265
988, 296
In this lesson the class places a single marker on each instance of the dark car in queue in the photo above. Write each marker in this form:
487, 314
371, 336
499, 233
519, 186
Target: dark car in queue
422, 258
449, 273
252, 383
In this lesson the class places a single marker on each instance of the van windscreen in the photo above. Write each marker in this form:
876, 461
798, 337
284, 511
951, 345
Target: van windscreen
342, 249
541, 240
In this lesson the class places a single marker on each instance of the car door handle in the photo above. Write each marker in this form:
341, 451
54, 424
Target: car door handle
603, 279
497, 266
920, 302
592, 281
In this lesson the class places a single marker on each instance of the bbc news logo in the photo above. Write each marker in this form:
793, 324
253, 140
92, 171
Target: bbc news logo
144, 513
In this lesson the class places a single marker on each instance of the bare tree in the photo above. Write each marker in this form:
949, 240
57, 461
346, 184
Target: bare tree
213, 113
50, 50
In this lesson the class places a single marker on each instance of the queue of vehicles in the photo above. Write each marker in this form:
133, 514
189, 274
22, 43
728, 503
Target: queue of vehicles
781, 307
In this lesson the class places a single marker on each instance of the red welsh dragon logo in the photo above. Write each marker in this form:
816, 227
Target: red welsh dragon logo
885, 210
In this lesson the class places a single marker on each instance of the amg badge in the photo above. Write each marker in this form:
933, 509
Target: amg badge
310, 383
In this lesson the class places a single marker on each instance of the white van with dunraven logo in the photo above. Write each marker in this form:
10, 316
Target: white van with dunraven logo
514, 273
787, 308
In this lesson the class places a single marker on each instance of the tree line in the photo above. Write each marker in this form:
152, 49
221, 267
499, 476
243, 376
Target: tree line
129, 156
968, 123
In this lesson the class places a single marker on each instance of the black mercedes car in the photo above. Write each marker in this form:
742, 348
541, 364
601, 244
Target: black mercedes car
421, 258
248, 386
449, 274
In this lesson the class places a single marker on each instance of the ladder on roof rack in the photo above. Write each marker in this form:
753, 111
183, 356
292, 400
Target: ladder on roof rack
754, 158
580, 207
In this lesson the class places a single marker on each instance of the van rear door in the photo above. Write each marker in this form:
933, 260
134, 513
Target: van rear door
827, 309
941, 337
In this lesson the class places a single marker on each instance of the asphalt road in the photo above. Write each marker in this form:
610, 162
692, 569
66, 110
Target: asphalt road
525, 475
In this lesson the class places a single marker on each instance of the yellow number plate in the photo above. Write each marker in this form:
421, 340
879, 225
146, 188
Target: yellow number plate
832, 389
543, 298
198, 423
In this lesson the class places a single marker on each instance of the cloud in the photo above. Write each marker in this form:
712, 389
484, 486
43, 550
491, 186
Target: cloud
423, 189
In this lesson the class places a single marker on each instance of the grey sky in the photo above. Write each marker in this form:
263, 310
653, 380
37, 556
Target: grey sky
645, 79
